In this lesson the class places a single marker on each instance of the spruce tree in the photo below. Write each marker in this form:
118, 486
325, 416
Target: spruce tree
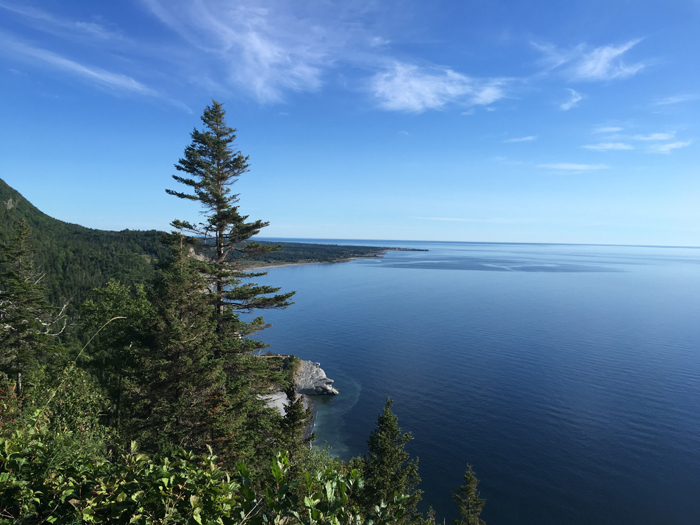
212, 166
468, 501
220, 245
26, 318
387, 467
294, 424
178, 375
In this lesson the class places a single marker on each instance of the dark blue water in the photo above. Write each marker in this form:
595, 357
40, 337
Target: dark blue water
568, 376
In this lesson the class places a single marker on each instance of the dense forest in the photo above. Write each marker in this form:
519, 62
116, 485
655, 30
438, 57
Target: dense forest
145, 404
74, 260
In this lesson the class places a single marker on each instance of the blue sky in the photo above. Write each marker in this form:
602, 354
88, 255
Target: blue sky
480, 120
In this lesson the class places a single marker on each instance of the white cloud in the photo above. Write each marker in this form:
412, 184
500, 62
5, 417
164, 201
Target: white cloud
609, 146
93, 74
675, 100
656, 136
377, 41
667, 148
406, 87
461, 219
264, 50
607, 129
522, 139
603, 63
584, 63
54, 24
574, 167
572, 102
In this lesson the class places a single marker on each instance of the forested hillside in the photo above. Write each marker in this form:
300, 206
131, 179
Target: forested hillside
76, 259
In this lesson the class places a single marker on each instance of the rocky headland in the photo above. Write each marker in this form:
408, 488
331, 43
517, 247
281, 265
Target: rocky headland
311, 380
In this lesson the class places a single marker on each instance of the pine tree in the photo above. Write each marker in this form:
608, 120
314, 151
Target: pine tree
26, 318
212, 166
112, 355
467, 499
221, 243
294, 424
387, 467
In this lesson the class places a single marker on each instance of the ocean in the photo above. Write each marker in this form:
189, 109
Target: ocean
567, 375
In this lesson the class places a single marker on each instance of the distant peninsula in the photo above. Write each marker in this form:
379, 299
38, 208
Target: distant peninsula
293, 253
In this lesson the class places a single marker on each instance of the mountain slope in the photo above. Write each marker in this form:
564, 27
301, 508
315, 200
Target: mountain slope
76, 259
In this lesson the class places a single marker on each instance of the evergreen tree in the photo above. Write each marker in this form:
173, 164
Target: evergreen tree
387, 467
178, 375
212, 166
25, 316
220, 244
294, 424
112, 356
467, 499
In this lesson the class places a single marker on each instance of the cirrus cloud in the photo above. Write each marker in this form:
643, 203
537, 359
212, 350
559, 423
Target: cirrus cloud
609, 146
583, 63
566, 166
668, 147
407, 87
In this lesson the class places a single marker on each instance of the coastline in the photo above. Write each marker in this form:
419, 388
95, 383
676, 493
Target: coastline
285, 265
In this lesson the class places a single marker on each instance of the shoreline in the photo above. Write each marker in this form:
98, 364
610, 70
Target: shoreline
339, 261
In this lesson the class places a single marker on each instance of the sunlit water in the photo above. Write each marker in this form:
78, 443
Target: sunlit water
568, 376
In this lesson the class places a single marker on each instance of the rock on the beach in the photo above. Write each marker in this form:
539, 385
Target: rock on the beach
311, 380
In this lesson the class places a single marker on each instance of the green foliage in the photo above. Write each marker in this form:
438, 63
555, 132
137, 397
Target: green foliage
74, 259
212, 166
38, 485
297, 252
245, 427
113, 354
468, 500
25, 315
387, 467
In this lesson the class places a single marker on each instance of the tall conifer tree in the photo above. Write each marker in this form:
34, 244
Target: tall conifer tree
387, 467
468, 500
220, 244
25, 315
212, 166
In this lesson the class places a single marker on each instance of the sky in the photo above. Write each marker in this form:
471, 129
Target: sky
471, 120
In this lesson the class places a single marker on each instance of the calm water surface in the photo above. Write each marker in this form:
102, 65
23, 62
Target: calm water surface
568, 376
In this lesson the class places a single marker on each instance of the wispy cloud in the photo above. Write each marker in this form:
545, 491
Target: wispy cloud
572, 102
407, 87
462, 219
604, 63
584, 63
522, 139
95, 75
607, 129
266, 50
668, 147
675, 100
609, 146
656, 136
574, 167
51, 23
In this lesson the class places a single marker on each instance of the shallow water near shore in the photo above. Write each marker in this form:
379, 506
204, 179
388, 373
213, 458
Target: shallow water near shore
568, 376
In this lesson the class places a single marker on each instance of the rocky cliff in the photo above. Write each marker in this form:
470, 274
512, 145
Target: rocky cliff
310, 379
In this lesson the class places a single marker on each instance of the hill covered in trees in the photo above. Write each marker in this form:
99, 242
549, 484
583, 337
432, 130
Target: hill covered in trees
75, 259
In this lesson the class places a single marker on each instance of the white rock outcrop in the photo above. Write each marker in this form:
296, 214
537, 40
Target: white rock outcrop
311, 380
